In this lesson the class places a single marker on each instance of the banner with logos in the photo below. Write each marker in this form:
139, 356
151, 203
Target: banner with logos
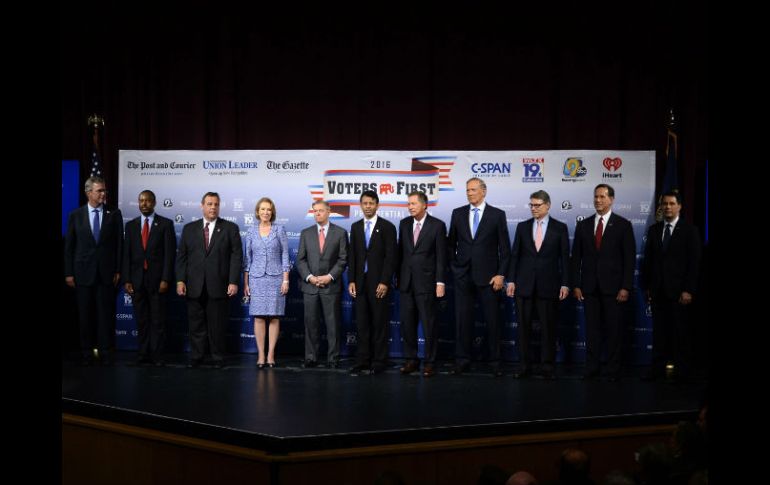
293, 179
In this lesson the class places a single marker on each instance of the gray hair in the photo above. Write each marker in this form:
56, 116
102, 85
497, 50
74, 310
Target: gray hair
93, 180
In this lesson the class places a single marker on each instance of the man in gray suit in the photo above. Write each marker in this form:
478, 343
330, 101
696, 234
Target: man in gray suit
321, 259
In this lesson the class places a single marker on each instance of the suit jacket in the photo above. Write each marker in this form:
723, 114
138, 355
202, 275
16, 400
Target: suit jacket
90, 261
675, 270
485, 256
160, 253
380, 256
546, 270
612, 267
310, 260
217, 268
424, 264
269, 256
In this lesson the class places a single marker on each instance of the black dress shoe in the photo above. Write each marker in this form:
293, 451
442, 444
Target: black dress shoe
356, 369
652, 375
410, 367
459, 369
377, 369
522, 374
428, 371
309, 364
194, 363
332, 365
219, 364
588, 375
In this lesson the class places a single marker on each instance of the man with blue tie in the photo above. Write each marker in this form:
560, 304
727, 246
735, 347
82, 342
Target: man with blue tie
371, 263
670, 276
479, 254
538, 278
149, 251
92, 252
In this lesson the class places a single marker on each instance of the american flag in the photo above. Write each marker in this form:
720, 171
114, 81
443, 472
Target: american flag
95, 121
96, 161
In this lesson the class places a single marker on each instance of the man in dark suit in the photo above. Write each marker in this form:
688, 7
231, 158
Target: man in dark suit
539, 279
371, 262
321, 260
208, 270
669, 276
479, 255
422, 256
92, 254
148, 266
603, 259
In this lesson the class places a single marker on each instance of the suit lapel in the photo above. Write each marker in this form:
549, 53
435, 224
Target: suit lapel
465, 226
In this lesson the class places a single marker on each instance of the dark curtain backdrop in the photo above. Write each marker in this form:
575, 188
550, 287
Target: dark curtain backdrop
203, 75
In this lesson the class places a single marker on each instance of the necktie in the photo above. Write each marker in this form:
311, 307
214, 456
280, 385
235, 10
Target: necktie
145, 237
206, 236
539, 235
321, 239
97, 228
475, 221
367, 236
416, 233
599, 231
666, 237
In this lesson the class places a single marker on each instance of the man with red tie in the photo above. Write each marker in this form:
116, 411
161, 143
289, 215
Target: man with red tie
422, 256
603, 261
148, 266
208, 271
321, 259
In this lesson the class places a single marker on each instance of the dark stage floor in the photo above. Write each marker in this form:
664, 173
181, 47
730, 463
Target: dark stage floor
290, 409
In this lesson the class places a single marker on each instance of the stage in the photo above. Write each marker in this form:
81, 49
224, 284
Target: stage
289, 410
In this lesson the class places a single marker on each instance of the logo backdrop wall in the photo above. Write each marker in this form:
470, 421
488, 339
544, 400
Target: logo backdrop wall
294, 178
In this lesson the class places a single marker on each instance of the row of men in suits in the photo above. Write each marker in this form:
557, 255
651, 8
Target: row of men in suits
477, 248
539, 272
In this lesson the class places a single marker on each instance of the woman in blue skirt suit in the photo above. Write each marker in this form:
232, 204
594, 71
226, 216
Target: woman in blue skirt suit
266, 278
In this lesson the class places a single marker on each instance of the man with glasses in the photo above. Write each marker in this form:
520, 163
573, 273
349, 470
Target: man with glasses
538, 277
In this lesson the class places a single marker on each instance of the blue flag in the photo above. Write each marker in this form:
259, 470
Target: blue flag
670, 179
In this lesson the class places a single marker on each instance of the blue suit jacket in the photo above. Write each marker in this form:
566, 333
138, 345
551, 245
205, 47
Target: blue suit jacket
269, 257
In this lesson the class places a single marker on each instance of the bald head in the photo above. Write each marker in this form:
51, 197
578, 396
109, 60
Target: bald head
521, 478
